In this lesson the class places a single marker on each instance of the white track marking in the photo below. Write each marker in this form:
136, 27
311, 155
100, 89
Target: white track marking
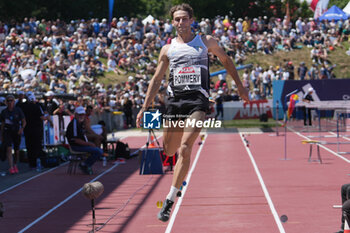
31, 178
64, 201
322, 146
178, 203
263, 186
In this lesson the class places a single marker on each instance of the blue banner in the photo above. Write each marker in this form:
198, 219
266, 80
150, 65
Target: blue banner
110, 5
325, 89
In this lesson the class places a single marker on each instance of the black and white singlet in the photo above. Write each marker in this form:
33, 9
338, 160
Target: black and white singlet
189, 68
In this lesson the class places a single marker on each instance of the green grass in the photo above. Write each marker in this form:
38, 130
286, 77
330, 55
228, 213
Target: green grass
338, 57
249, 123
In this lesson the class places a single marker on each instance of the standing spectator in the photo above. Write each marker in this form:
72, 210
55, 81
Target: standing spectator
302, 70
51, 103
308, 98
127, 108
219, 105
239, 26
90, 134
266, 80
33, 131
246, 24
290, 69
313, 72
12, 125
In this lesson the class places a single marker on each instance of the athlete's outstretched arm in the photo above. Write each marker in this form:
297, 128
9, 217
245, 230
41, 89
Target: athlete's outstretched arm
163, 63
214, 48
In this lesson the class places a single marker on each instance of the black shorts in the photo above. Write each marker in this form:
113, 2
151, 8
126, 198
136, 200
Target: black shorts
11, 137
184, 106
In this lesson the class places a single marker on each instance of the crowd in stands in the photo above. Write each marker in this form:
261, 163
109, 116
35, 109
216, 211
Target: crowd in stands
57, 57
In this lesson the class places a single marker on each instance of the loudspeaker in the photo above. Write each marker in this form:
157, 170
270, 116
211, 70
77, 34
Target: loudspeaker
151, 162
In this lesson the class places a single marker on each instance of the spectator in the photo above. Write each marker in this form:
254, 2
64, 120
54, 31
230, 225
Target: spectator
90, 134
12, 124
33, 132
219, 99
77, 140
302, 70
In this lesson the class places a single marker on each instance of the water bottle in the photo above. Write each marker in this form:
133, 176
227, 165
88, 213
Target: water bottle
104, 162
38, 165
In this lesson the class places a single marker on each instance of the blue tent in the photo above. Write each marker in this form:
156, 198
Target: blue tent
334, 13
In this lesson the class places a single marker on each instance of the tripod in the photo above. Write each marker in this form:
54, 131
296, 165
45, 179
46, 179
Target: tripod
150, 134
168, 158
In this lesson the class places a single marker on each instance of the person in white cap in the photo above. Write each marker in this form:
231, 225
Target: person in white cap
51, 104
308, 98
77, 140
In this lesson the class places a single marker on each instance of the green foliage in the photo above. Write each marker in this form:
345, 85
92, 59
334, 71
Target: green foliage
155, 7
339, 3
304, 10
68, 9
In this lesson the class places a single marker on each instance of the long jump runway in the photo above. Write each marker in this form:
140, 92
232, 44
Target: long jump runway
230, 188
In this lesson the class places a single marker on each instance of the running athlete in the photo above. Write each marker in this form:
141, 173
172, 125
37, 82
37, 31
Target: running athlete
187, 92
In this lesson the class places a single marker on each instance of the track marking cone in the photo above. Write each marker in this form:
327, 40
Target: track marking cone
346, 227
152, 145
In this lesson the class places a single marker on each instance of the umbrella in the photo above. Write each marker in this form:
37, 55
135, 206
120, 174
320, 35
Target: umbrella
27, 74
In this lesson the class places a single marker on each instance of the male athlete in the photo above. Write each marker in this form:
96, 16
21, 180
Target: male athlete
187, 93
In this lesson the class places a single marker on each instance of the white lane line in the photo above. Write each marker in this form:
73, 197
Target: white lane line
31, 178
64, 201
263, 186
322, 146
184, 188
340, 136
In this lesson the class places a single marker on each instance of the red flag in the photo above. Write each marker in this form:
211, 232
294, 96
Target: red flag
313, 4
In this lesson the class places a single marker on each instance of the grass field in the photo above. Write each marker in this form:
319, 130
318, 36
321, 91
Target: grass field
249, 123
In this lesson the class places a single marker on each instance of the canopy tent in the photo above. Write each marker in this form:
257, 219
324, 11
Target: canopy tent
347, 9
149, 19
334, 13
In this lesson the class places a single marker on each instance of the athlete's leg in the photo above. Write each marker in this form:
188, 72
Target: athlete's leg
171, 139
173, 136
187, 141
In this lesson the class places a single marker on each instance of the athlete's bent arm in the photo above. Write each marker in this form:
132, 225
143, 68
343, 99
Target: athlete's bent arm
214, 48
163, 63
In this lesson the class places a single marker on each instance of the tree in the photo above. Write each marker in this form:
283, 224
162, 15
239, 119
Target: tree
304, 10
339, 3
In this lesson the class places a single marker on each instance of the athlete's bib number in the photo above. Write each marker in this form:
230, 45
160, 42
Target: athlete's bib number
187, 76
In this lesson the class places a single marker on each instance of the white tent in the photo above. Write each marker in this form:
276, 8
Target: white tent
347, 9
148, 19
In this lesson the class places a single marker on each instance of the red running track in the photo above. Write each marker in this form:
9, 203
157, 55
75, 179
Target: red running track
223, 194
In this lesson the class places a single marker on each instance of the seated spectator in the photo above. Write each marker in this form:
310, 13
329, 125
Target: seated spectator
77, 140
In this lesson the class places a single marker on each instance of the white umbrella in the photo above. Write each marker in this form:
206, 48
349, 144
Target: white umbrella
27, 74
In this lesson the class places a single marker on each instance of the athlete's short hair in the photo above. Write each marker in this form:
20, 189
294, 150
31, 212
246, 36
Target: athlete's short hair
182, 7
